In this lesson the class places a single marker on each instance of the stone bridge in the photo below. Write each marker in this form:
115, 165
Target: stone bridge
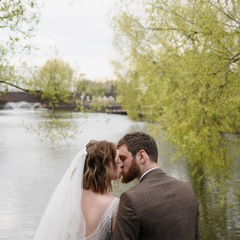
20, 96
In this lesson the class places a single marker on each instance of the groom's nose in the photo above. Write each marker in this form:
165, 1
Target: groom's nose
121, 163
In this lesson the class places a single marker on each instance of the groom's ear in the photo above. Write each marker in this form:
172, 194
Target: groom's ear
142, 156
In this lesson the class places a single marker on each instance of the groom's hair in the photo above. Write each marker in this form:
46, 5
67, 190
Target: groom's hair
136, 141
99, 166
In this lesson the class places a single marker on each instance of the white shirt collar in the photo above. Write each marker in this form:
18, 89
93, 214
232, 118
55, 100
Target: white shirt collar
147, 172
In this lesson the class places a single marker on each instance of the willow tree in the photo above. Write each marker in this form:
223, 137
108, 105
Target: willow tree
18, 20
55, 81
181, 59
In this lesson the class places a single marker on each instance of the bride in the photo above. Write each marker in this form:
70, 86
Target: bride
81, 207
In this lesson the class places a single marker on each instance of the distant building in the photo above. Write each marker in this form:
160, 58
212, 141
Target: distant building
106, 79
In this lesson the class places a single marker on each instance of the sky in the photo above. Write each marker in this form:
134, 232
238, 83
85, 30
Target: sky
80, 33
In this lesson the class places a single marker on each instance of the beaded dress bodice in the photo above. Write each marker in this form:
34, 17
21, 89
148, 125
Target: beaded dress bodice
104, 229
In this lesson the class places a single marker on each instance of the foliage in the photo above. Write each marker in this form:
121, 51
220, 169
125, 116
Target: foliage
179, 63
17, 22
55, 81
90, 88
90, 95
55, 127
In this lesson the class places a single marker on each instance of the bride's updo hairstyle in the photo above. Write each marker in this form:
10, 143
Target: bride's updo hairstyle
99, 166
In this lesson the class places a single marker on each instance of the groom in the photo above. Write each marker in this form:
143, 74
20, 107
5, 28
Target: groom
159, 207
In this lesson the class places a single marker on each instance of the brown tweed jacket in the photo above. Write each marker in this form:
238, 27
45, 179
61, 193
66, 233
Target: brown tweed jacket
158, 208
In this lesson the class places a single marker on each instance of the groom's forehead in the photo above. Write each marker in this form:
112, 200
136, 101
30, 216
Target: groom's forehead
123, 151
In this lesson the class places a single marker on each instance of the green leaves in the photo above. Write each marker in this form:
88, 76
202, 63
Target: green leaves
176, 58
55, 81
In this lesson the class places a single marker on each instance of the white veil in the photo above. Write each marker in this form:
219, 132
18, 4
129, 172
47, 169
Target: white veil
63, 218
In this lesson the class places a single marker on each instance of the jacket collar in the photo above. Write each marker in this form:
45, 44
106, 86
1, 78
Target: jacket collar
151, 172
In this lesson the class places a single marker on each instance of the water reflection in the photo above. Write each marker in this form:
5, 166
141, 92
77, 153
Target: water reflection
30, 171
220, 219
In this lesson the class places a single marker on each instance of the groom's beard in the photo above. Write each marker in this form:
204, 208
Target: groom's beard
132, 173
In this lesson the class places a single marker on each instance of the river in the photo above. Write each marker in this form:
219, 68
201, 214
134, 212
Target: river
30, 169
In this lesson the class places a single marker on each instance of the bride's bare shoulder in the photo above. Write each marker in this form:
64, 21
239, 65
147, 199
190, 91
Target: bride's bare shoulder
89, 197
